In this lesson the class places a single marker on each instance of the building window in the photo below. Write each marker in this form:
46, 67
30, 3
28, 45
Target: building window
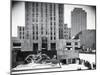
46, 10
76, 43
54, 23
36, 37
54, 33
68, 48
33, 4
35, 47
68, 43
51, 28
41, 4
20, 37
33, 37
33, 32
53, 46
19, 28
51, 18
20, 33
54, 38
41, 11
73, 61
23, 33
33, 27
16, 44
54, 9
54, 18
23, 28
23, 37
76, 48
51, 33
46, 32
51, 37
36, 4
37, 33
27, 35
51, 10
51, 23
69, 61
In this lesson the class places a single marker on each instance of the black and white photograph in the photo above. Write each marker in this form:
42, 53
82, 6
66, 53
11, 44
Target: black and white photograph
52, 37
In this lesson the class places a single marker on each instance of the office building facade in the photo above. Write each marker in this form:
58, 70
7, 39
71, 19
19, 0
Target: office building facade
43, 25
68, 50
78, 21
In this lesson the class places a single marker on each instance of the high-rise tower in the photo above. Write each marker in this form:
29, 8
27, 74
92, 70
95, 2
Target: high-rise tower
78, 21
43, 25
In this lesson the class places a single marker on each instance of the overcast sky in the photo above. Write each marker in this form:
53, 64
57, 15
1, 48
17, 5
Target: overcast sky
90, 15
18, 15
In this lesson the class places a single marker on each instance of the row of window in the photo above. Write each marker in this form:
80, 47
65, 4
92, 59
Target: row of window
36, 38
45, 11
53, 46
42, 33
69, 43
45, 24
16, 44
21, 28
43, 29
21, 32
69, 48
53, 38
37, 5
53, 18
21, 35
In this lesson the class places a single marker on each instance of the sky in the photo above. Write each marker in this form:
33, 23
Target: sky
90, 15
18, 15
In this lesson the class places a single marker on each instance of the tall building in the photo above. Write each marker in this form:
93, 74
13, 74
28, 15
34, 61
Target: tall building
87, 39
78, 21
43, 25
66, 32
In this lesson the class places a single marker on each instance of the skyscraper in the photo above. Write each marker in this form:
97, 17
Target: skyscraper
78, 21
43, 25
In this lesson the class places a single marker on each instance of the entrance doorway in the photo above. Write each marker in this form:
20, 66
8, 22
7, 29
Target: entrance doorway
35, 47
44, 44
53, 46
63, 61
